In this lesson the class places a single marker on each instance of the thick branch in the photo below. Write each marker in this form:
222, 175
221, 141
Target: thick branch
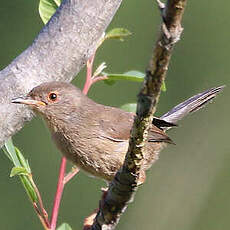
124, 185
58, 53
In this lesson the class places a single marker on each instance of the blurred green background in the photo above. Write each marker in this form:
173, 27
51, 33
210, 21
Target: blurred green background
189, 187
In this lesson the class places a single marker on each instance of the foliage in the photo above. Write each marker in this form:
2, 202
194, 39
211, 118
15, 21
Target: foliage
64, 226
47, 8
21, 168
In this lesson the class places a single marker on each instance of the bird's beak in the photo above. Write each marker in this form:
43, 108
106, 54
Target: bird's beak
28, 101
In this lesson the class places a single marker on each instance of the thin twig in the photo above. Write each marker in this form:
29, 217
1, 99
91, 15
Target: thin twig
89, 72
99, 78
58, 196
71, 174
123, 187
44, 212
44, 224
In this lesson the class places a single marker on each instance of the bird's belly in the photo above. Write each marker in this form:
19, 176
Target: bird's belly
100, 157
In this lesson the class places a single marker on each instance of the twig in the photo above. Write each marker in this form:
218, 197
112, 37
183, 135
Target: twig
99, 78
71, 174
58, 195
44, 214
89, 72
123, 187
44, 224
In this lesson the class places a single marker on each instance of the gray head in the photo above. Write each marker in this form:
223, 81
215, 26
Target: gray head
51, 97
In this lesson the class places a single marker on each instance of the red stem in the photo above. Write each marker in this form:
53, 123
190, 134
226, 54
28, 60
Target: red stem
99, 78
70, 175
89, 70
57, 200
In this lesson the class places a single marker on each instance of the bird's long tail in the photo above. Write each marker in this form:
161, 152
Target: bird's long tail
191, 105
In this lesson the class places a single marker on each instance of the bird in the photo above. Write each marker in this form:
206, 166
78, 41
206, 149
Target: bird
95, 137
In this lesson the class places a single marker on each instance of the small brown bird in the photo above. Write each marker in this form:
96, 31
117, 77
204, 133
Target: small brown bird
95, 137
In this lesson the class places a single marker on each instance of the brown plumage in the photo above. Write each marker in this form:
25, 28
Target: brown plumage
95, 137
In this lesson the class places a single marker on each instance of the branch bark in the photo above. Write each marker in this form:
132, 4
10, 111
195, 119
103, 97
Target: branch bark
57, 54
122, 188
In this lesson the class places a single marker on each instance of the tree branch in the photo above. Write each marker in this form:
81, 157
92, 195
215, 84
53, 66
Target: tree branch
125, 183
58, 53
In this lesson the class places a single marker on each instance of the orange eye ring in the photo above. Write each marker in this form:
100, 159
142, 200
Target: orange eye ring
52, 96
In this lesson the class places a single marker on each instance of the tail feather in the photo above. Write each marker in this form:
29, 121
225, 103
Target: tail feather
193, 104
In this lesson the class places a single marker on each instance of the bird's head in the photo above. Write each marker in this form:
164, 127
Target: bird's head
52, 98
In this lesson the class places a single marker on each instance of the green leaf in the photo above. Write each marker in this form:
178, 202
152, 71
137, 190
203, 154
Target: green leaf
109, 82
64, 226
163, 87
18, 171
130, 107
14, 154
117, 33
58, 2
47, 8
10, 152
28, 166
6, 153
21, 168
134, 75
29, 188
22, 160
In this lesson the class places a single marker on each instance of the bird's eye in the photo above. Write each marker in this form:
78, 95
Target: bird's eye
52, 96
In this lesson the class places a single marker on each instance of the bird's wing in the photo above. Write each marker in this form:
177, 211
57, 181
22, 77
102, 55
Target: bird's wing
116, 126
158, 135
